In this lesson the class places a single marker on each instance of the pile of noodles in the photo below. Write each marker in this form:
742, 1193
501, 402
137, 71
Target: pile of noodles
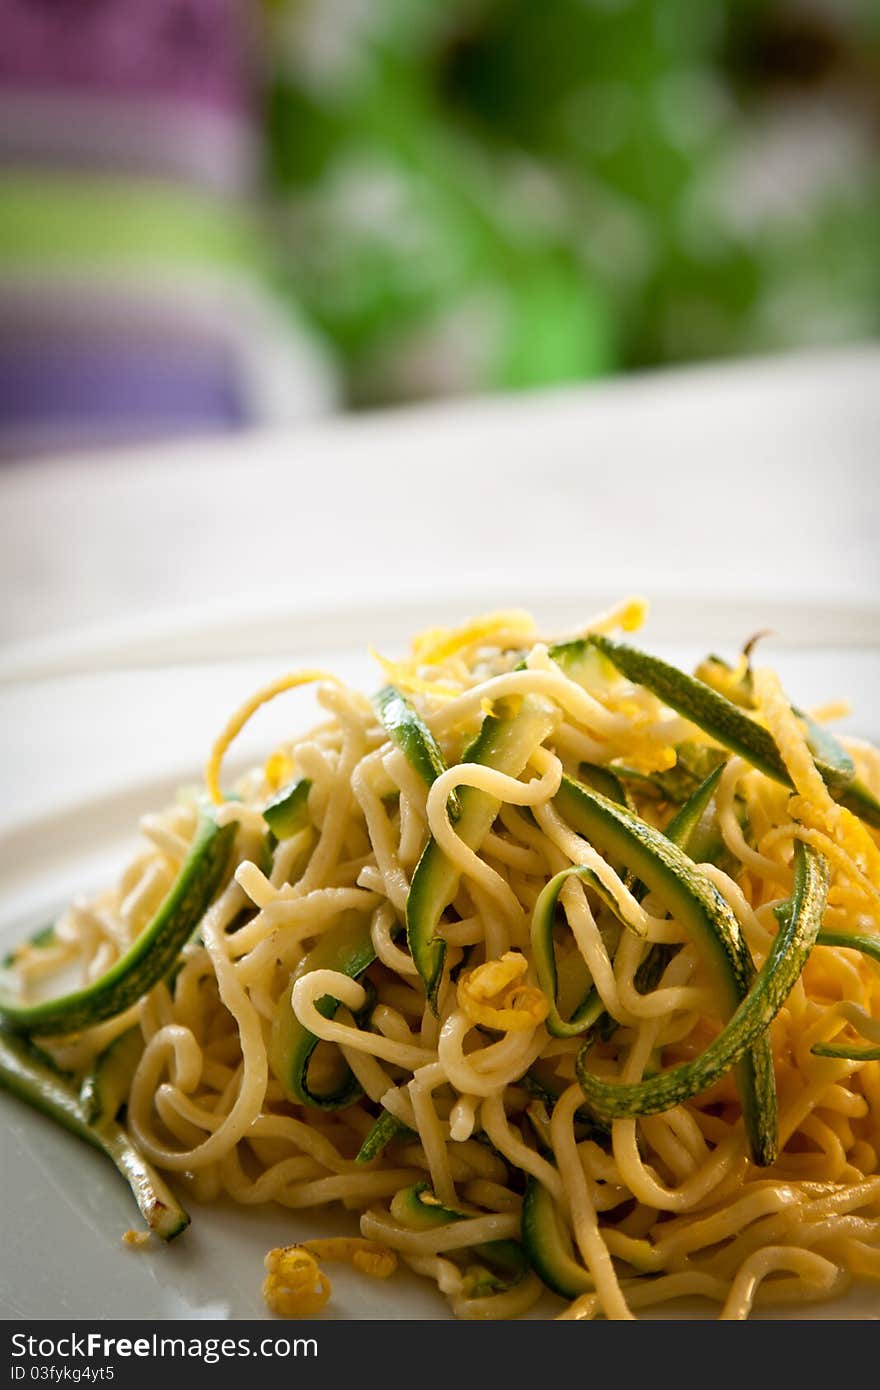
672, 1207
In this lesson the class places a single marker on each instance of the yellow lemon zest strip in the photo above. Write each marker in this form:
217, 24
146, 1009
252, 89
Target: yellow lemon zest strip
367, 1256
238, 720
813, 803
295, 1286
521, 1007
436, 645
830, 848
629, 615
403, 675
495, 975
278, 768
834, 709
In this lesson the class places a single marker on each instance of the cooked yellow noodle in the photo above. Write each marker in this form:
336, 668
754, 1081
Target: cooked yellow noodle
672, 1208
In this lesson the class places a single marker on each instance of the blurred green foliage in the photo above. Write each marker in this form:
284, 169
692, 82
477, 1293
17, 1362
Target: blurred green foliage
503, 193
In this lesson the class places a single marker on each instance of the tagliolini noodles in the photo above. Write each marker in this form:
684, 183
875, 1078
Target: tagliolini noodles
662, 1207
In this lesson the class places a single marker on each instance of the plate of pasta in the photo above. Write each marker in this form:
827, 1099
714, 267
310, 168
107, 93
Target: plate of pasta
534, 976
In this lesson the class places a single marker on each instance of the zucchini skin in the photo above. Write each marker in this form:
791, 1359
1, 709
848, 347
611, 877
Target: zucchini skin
848, 1052
727, 722
869, 946
591, 1007
507, 1259
800, 921
605, 781
386, 1128
666, 870
26, 1075
681, 830
550, 1255
718, 675
852, 941
149, 958
288, 812
406, 728
684, 828
705, 707
505, 744
347, 947
42, 938
105, 1088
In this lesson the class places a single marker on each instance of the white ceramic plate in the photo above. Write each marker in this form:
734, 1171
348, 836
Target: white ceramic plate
82, 757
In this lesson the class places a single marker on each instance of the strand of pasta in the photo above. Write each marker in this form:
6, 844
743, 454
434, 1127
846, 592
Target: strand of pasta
583, 1214
255, 1070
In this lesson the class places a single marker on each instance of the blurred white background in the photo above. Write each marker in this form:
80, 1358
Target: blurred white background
744, 486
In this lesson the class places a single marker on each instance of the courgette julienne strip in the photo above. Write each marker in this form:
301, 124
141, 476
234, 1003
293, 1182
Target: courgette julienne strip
549, 1247
695, 902
799, 923
848, 1052
543, 918
852, 941
148, 959
418, 1209
684, 826
406, 728
505, 744
288, 812
869, 946
106, 1085
347, 948
386, 1128
682, 831
730, 725
820, 741
25, 1075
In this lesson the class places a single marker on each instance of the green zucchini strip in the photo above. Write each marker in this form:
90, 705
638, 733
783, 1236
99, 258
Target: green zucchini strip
848, 1052
348, 948
694, 829
408, 730
730, 725
151, 956
869, 946
505, 744
105, 1088
853, 941
417, 1208
547, 1090
687, 829
288, 812
604, 781
799, 926
857, 797
820, 740
548, 1245
825, 747
543, 918
41, 940
693, 763
386, 1128
24, 1074
695, 902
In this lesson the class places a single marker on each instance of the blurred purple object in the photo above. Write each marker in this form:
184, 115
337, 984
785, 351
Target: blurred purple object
86, 393
163, 87
190, 50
